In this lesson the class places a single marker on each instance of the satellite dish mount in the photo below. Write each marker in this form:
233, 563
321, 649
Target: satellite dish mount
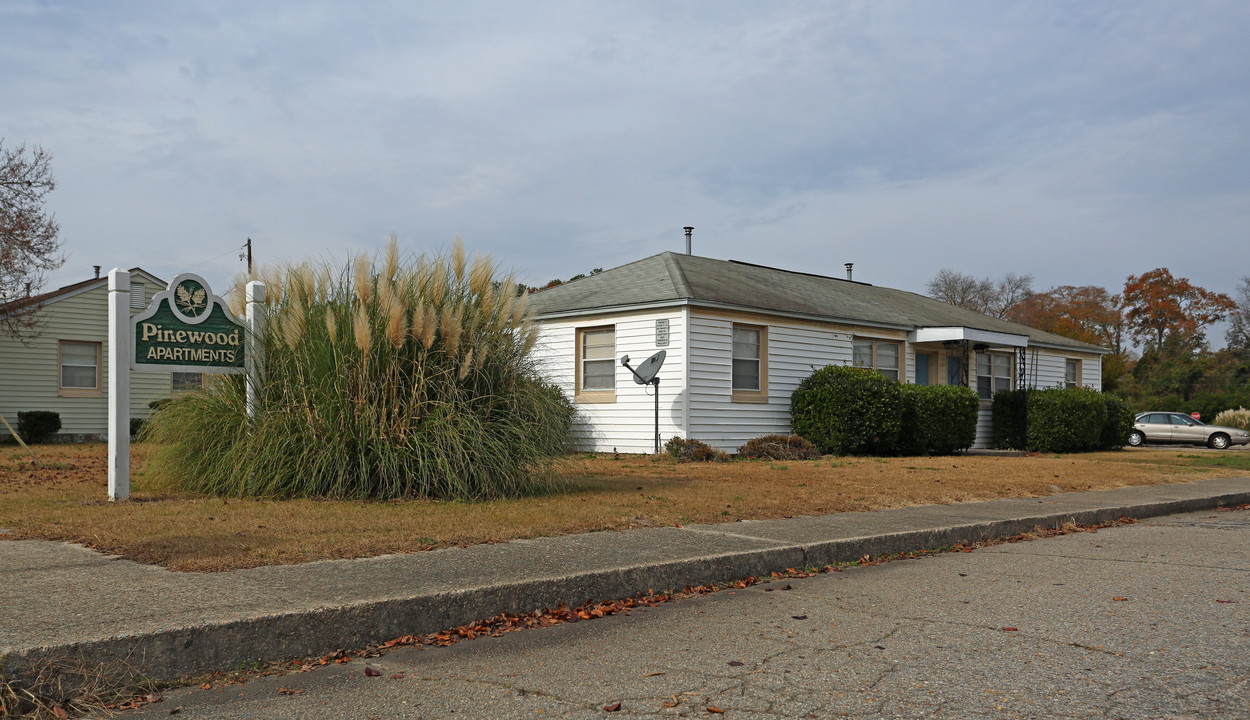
646, 375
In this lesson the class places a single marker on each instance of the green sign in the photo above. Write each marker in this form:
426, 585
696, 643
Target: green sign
187, 329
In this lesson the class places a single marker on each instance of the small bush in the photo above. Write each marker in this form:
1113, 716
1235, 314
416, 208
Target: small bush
36, 426
848, 411
1065, 420
1009, 418
779, 447
136, 426
937, 419
1119, 422
693, 451
1239, 418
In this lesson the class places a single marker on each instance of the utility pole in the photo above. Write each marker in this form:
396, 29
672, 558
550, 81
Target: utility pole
249, 256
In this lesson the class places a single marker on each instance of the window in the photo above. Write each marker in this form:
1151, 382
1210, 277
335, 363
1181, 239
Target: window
596, 364
750, 363
993, 374
1071, 373
184, 381
881, 355
80, 368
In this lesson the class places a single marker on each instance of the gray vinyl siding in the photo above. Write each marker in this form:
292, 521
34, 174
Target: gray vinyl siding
630, 419
30, 375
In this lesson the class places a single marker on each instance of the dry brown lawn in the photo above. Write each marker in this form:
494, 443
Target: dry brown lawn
64, 499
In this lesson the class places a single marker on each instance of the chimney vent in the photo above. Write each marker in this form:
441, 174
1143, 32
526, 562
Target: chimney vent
97, 271
689, 229
848, 270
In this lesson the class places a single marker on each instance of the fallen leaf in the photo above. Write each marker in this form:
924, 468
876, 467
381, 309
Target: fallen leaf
206, 686
289, 691
879, 647
370, 672
735, 663
1009, 629
799, 617
714, 709
1226, 601
1119, 598
397, 676
612, 708
59, 711
670, 704
176, 710
653, 674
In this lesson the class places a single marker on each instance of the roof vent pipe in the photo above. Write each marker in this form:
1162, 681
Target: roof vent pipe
97, 271
689, 229
848, 270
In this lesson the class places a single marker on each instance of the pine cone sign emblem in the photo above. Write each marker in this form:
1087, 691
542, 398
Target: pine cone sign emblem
190, 299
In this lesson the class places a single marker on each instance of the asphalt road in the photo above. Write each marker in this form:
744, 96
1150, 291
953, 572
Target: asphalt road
1150, 620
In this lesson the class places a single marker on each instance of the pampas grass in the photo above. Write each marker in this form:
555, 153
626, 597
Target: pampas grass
404, 379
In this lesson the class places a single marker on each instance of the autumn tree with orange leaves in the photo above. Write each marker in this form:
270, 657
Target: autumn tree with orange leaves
1159, 308
1087, 313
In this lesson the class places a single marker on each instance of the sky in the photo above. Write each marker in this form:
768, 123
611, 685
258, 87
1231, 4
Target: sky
1078, 142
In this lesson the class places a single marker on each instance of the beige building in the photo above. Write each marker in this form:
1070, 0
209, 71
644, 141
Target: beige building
62, 368
739, 338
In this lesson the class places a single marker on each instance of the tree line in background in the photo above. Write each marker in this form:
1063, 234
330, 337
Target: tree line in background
1166, 317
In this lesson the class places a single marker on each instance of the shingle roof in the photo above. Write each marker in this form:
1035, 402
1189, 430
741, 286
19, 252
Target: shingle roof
57, 294
675, 278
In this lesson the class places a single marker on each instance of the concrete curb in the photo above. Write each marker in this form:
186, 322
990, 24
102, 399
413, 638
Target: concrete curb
168, 654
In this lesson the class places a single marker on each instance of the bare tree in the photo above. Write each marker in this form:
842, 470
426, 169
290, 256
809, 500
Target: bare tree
28, 234
1238, 335
983, 296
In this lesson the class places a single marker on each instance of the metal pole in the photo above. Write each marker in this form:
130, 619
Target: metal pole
119, 384
656, 383
249, 256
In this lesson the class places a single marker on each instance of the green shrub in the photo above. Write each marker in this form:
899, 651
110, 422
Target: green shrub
36, 426
937, 419
779, 447
1008, 419
1239, 418
1119, 422
1065, 420
137, 426
408, 379
693, 451
848, 411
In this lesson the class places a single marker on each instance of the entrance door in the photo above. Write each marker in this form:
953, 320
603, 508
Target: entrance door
922, 368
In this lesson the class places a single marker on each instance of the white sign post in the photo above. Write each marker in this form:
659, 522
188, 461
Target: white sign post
119, 384
184, 329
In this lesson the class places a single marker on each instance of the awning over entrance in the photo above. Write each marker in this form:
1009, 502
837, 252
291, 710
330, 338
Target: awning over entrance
946, 334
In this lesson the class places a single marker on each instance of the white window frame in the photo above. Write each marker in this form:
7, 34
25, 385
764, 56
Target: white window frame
997, 381
62, 390
1071, 372
873, 345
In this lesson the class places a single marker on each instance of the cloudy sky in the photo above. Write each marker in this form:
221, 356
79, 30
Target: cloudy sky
1080, 142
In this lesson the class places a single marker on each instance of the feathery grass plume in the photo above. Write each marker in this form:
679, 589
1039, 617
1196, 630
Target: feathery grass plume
391, 265
520, 310
361, 331
480, 274
292, 325
396, 323
362, 281
347, 412
428, 325
458, 260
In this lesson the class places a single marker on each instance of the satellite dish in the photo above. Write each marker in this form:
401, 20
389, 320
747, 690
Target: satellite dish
648, 368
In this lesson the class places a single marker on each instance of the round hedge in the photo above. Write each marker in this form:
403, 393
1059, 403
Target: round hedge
848, 411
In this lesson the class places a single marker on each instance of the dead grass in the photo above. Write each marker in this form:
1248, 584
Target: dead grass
65, 500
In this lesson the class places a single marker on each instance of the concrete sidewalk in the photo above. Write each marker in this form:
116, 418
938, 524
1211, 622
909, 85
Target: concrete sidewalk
59, 600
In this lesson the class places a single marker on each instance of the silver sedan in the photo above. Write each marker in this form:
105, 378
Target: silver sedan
1170, 427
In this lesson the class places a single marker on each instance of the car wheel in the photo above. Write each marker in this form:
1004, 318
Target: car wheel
1219, 441
1136, 439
